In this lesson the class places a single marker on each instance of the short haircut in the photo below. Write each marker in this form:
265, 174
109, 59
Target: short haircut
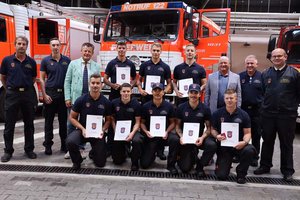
190, 45
121, 43
251, 57
230, 91
87, 44
22, 38
95, 75
125, 85
55, 38
156, 44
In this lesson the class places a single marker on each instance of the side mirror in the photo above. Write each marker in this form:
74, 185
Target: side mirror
96, 31
271, 45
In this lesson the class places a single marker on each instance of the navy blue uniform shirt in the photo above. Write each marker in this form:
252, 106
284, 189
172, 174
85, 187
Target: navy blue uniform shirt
127, 111
86, 105
111, 70
200, 114
18, 74
252, 91
165, 109
238, 116
160, 69
195, 71
56, 71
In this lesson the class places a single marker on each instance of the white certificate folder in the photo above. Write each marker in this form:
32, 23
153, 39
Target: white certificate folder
150, 80
190, 133
123, 75
184, 86
231, 132
158, 126
93, 126
122, 130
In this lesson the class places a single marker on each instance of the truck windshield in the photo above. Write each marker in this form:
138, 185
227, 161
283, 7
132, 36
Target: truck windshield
142, 25
292, 45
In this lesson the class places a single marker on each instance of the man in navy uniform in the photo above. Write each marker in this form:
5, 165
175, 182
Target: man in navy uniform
194, 111
95, 104
159, 107
252, 96
54, 67
18, 73
232, 114
111, 70
126, 108
281, 84
188, 69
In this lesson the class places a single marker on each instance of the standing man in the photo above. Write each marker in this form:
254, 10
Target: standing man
90, 104
155, 67
111, 71
281, 84
54, 67
18, 73
252, 96
76, 81
232, 114
126, 108
188, 69
217, 84
194, 111
159, 107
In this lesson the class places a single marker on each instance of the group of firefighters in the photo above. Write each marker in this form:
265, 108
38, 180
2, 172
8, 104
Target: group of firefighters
251, 105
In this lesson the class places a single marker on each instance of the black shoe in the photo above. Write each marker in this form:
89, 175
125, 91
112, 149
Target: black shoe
172, 170
254, 163
76, 166
31, 155
134, 168
241, 180
48, 151
288, 178
6, 157
235, 159
261, 170
63, 149
161, 155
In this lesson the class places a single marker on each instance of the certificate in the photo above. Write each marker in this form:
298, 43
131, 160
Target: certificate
150, 80
123, 75
93, 126
158, 126
190, 133
123, 129
231, 132
184, 86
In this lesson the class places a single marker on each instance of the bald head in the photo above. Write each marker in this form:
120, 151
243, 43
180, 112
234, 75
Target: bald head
279, 57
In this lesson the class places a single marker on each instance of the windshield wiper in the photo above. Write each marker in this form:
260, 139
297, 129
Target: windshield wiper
156, 37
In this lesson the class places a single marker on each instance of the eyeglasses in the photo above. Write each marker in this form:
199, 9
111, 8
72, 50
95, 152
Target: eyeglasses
277, 56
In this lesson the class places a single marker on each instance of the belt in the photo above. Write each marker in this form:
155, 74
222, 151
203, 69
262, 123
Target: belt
20, 89
55, 89
251, 107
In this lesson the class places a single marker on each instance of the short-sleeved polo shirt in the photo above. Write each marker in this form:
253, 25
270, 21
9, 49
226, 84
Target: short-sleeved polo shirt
200, 114
111, 68
86, 105
195, 71
164, 109
238, 116
56, 71
18, 74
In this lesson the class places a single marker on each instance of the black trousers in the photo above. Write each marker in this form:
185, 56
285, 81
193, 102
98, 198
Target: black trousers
74, 140
150, 146
120, 149
189, 152
285, 127
14, 101
224, 160
57, 106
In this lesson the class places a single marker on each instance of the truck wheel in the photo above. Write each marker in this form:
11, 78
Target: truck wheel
2, 99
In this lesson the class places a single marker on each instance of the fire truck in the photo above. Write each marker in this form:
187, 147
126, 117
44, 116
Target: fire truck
289, 40
173, 24
40, 22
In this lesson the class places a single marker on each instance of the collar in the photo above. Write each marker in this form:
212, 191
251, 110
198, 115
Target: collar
83, 62
280, 69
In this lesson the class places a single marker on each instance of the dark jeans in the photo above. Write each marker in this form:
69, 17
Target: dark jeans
14, 101
224, 160
188, 153
74, 140
150, 146
57, 106
285, 127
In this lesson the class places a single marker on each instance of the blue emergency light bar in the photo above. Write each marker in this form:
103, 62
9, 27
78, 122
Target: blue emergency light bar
176, 4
